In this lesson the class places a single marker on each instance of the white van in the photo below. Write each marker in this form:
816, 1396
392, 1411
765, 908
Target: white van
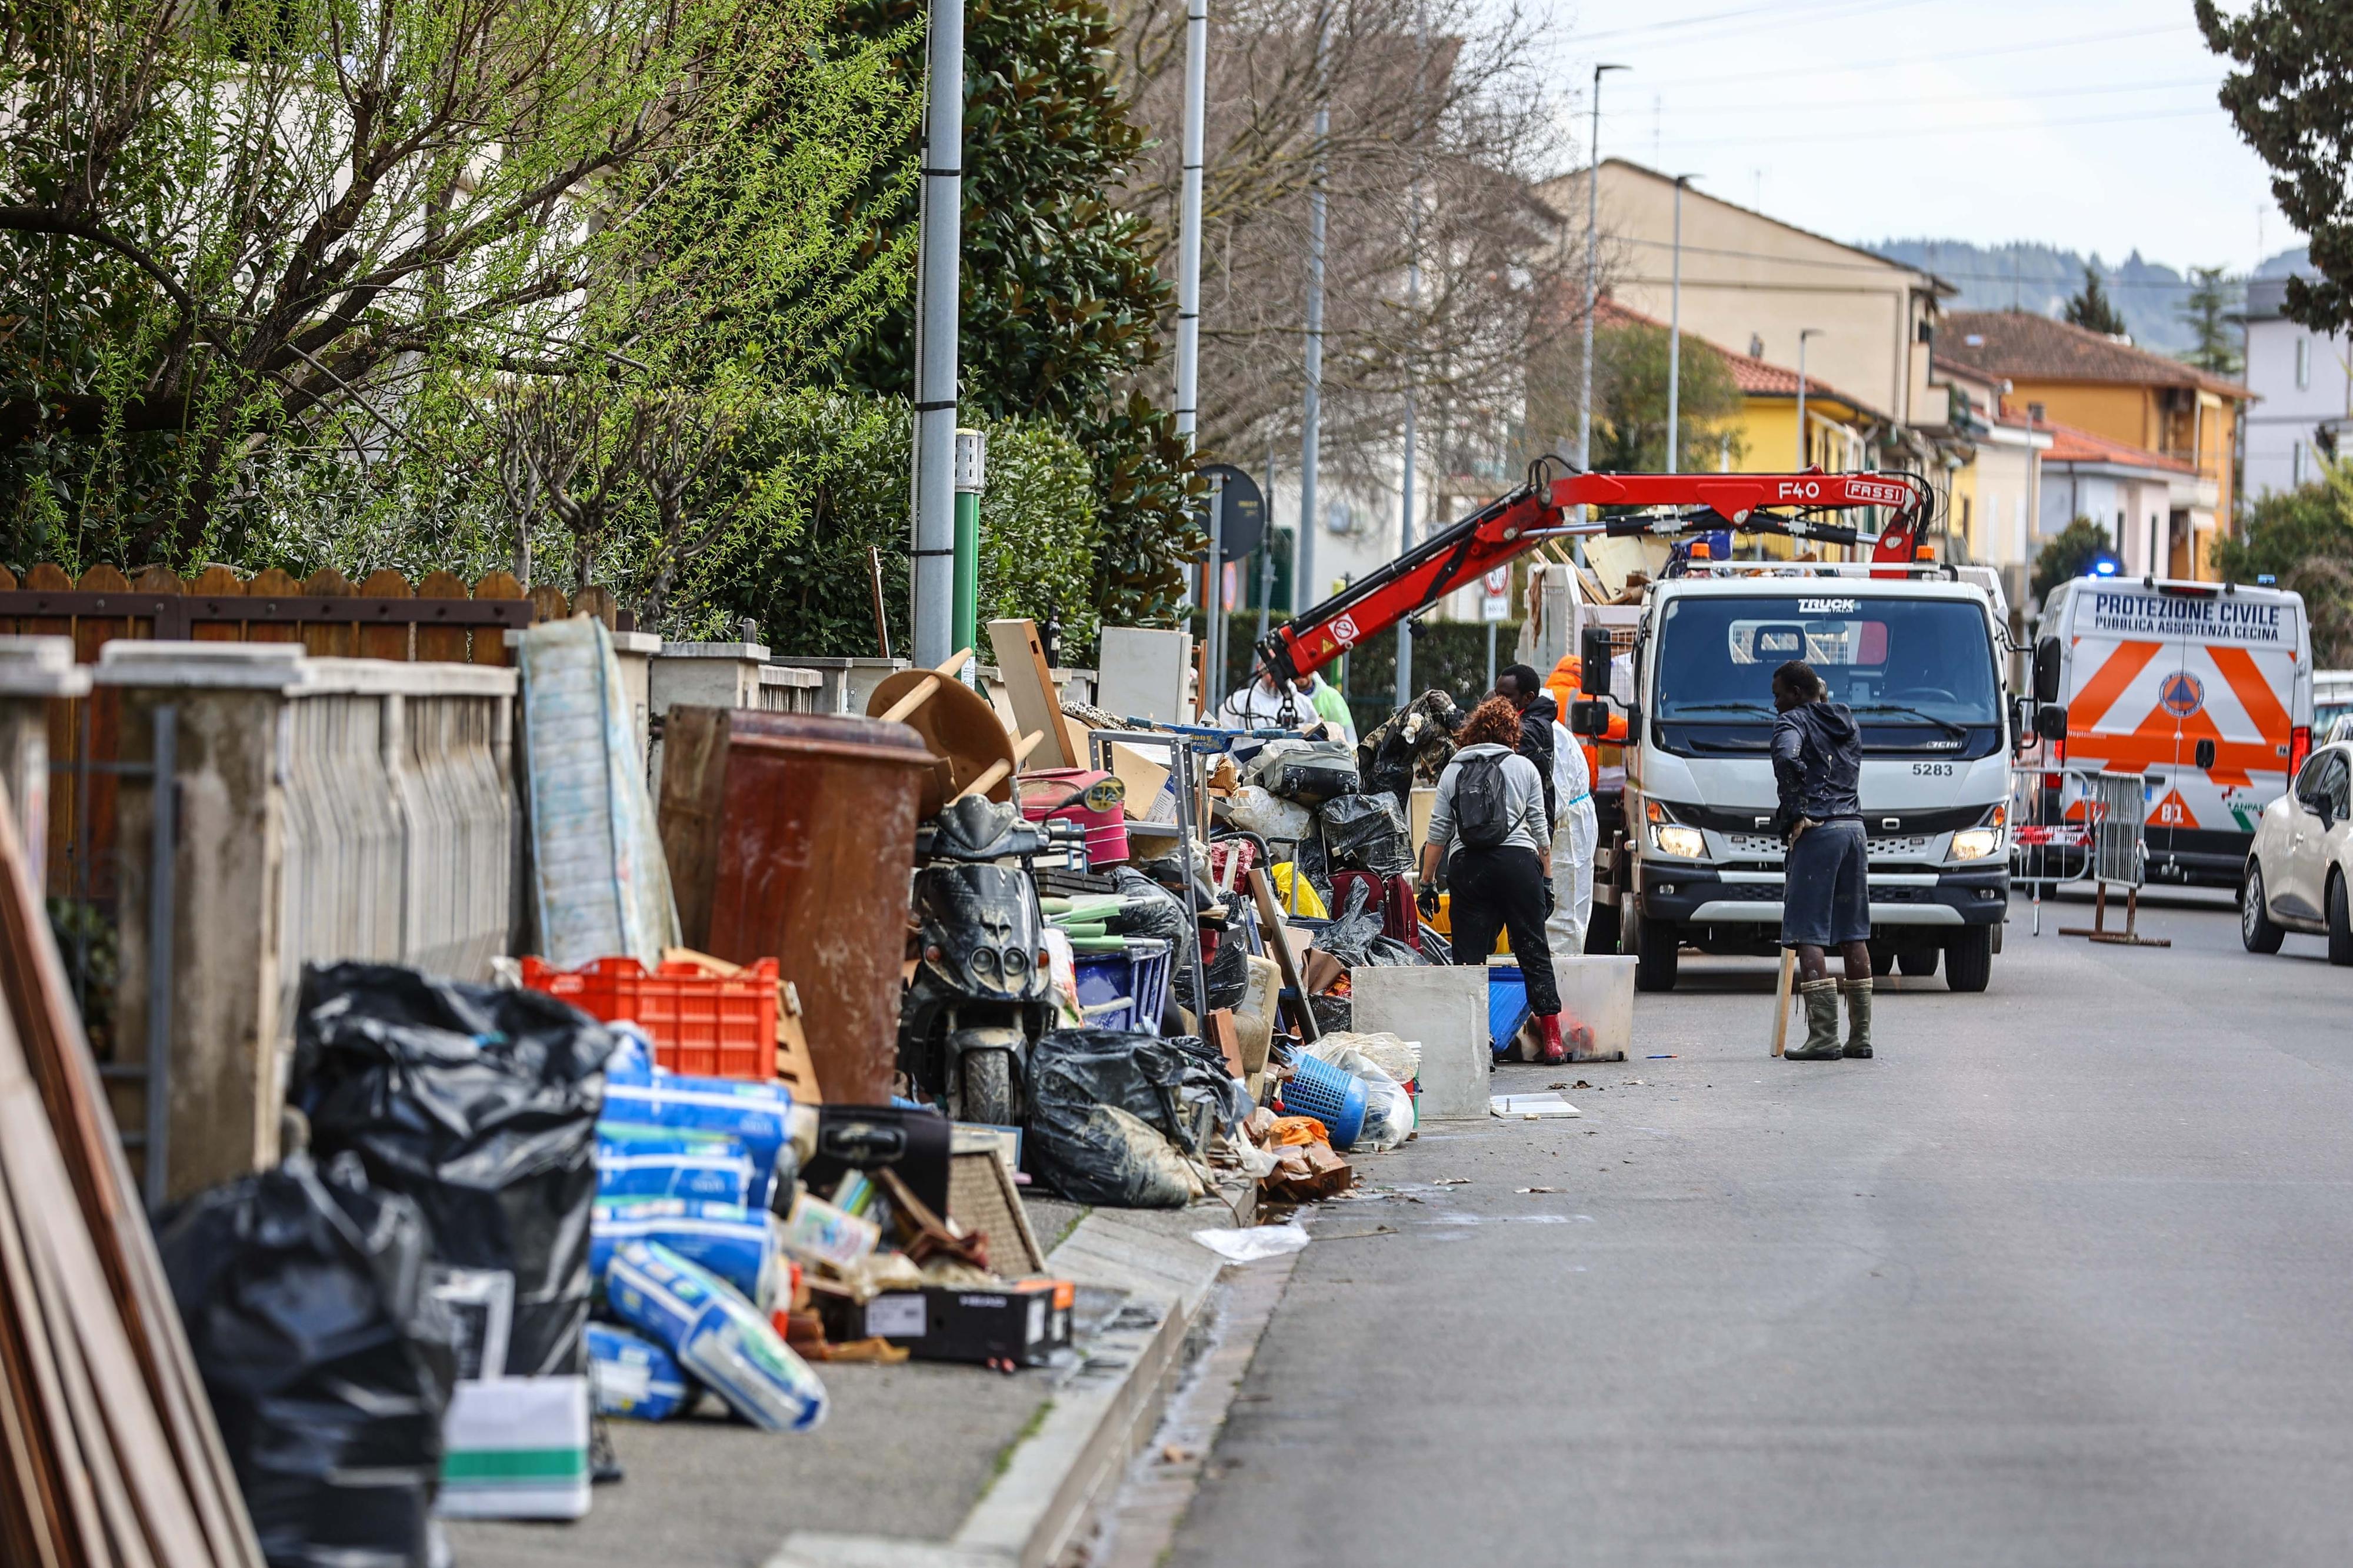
2204, 690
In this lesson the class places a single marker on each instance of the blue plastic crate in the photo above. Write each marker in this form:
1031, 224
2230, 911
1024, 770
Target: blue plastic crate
1125, 990
1507, 1005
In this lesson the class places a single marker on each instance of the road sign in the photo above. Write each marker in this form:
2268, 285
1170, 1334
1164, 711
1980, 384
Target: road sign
1241, 511
1495, 603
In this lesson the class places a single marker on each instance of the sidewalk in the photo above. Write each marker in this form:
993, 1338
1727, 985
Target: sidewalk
919, 1463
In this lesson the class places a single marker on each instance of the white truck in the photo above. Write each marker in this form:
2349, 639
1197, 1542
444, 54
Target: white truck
1917, 653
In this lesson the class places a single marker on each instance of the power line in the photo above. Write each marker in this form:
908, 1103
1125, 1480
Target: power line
1875, 133
1780, 16
1816, 105
1879, 266
1769, 76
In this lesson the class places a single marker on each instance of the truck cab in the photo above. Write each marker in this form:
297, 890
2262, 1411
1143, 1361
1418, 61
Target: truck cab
1918, 654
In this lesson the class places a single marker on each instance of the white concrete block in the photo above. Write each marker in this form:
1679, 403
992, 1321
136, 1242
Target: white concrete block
1445, 1008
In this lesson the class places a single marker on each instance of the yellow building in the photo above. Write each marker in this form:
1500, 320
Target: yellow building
2050, 373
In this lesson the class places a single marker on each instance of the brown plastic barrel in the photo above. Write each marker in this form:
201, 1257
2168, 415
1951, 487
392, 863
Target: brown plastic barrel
792, 835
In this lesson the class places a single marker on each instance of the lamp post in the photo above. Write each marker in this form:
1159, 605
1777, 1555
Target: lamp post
1807, 332
1188, 238
939, 246
1676, 333
1592, 281
1311, 403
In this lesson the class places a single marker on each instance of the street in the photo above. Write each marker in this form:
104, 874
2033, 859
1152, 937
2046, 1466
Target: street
2060, 1277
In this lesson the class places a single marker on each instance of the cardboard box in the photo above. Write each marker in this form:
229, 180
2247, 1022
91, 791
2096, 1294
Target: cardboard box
1022, 1324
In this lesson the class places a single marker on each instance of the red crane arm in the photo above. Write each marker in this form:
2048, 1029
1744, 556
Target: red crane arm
1506, 529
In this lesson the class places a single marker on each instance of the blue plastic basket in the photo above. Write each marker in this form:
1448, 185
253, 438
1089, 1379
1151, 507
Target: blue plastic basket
1125, 990
1335, 1097
1507, 1005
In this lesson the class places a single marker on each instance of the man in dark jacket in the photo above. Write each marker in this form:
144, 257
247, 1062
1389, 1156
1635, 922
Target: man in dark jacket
1525, 689
1826, 891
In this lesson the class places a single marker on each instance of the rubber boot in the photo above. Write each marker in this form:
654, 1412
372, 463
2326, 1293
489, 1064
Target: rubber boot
1556, 1051
1858, 1018
1820, 998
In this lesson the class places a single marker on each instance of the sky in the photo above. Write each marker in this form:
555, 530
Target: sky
2086, 124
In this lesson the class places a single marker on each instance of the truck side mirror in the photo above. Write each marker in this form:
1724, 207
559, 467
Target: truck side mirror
1588, 718
2019, 733
2051, 721
2046, 671
1594, 653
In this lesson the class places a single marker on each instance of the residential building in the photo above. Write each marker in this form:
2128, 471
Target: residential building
2130, 406
1754, 283
1994, 504
2305, 379
2135, 494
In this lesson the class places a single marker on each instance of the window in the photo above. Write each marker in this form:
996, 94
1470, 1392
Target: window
2303, 362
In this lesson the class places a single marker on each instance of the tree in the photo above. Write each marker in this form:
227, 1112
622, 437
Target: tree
2206, 308
1630, 401
2068, 555
2302, 539
2092, 309
2290, 103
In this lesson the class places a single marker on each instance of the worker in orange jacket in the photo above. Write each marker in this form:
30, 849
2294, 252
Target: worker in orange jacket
1567, 684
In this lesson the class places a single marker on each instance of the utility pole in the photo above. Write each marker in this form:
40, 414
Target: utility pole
1266, 548
1311, 406
940, 244
1413, 325
1188, 241
1808, 333
1675, 335
1592, 279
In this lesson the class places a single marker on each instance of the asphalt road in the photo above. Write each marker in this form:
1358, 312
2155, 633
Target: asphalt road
2064, 1276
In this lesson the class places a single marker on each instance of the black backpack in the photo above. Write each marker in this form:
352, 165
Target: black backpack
1482, 805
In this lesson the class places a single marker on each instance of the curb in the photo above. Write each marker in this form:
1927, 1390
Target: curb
1101, 1416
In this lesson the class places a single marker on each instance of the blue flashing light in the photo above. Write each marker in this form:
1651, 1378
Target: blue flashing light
2104, 566
2265, 580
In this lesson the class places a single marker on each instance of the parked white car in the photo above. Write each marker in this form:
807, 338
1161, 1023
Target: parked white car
2297, 873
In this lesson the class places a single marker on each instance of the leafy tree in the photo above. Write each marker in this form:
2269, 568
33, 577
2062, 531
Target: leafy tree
2091, 308
2303, 538
1630, 401
2290, 103
2068, 555
1060, 300
2206, 308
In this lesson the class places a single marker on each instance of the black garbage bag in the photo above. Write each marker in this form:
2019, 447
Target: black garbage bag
1333, 1015
1393, 952
1108, 1118
1157, 911
1411, 747
1228, 974
1365, 833
328, 1362
479, 1103
1353, 928
1209, 1086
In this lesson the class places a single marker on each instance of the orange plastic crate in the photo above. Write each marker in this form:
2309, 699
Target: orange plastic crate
709, 1024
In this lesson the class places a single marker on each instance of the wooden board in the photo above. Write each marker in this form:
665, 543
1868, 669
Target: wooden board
1029, 687
1270, 918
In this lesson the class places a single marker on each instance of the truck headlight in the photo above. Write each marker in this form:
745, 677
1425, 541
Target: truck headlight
1683, 843
1977, 842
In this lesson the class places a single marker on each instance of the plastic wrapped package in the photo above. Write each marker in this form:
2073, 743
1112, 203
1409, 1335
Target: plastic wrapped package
716, 1335
324, 1354
635, 1162
739, 1244
479, 1103
1365, 833
1398, 1057
756, 1115
1278, 821
634, 1377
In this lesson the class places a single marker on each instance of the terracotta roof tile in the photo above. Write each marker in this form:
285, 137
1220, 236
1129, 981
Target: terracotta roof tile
2070, 445
2019, 346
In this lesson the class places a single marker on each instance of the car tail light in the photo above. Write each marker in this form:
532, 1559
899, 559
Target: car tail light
2299, 746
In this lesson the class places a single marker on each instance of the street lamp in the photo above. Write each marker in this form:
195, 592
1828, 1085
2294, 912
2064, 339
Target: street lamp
1592, 247
1675, 332
1807, 332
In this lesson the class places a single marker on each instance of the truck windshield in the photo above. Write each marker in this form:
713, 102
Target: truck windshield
1925, 664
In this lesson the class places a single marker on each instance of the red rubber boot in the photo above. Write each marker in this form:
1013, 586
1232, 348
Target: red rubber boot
1555, 1051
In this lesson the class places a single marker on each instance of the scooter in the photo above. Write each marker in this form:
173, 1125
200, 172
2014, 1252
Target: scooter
981, 995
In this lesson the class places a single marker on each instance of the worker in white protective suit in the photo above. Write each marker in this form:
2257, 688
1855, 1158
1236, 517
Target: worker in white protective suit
1575, 831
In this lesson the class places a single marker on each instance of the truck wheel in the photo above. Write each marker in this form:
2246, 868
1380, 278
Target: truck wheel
1917, 961
1883, 961
2340, 922
1657, 946
2257, 931
1969, 960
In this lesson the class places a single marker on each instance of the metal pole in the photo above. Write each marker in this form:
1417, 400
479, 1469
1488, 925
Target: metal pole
1808, 333
1266, 548
1311, 406
162, 848
1491, 656
1592, 279
932, 576
1675, 335
1213, 588
1412, 307
1189, 223
971, 463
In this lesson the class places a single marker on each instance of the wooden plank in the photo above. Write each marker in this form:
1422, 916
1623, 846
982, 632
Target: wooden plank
153, 580
1029, 687
216, 582
386, 642
548, 604
328, 639
490, 646
1270, 918
598, 601
273, 584
444, 645
7, 585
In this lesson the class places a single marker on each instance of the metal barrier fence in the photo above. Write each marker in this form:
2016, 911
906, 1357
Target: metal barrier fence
2115, 814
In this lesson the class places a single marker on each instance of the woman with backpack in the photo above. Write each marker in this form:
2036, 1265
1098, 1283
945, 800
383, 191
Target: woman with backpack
1490, 810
